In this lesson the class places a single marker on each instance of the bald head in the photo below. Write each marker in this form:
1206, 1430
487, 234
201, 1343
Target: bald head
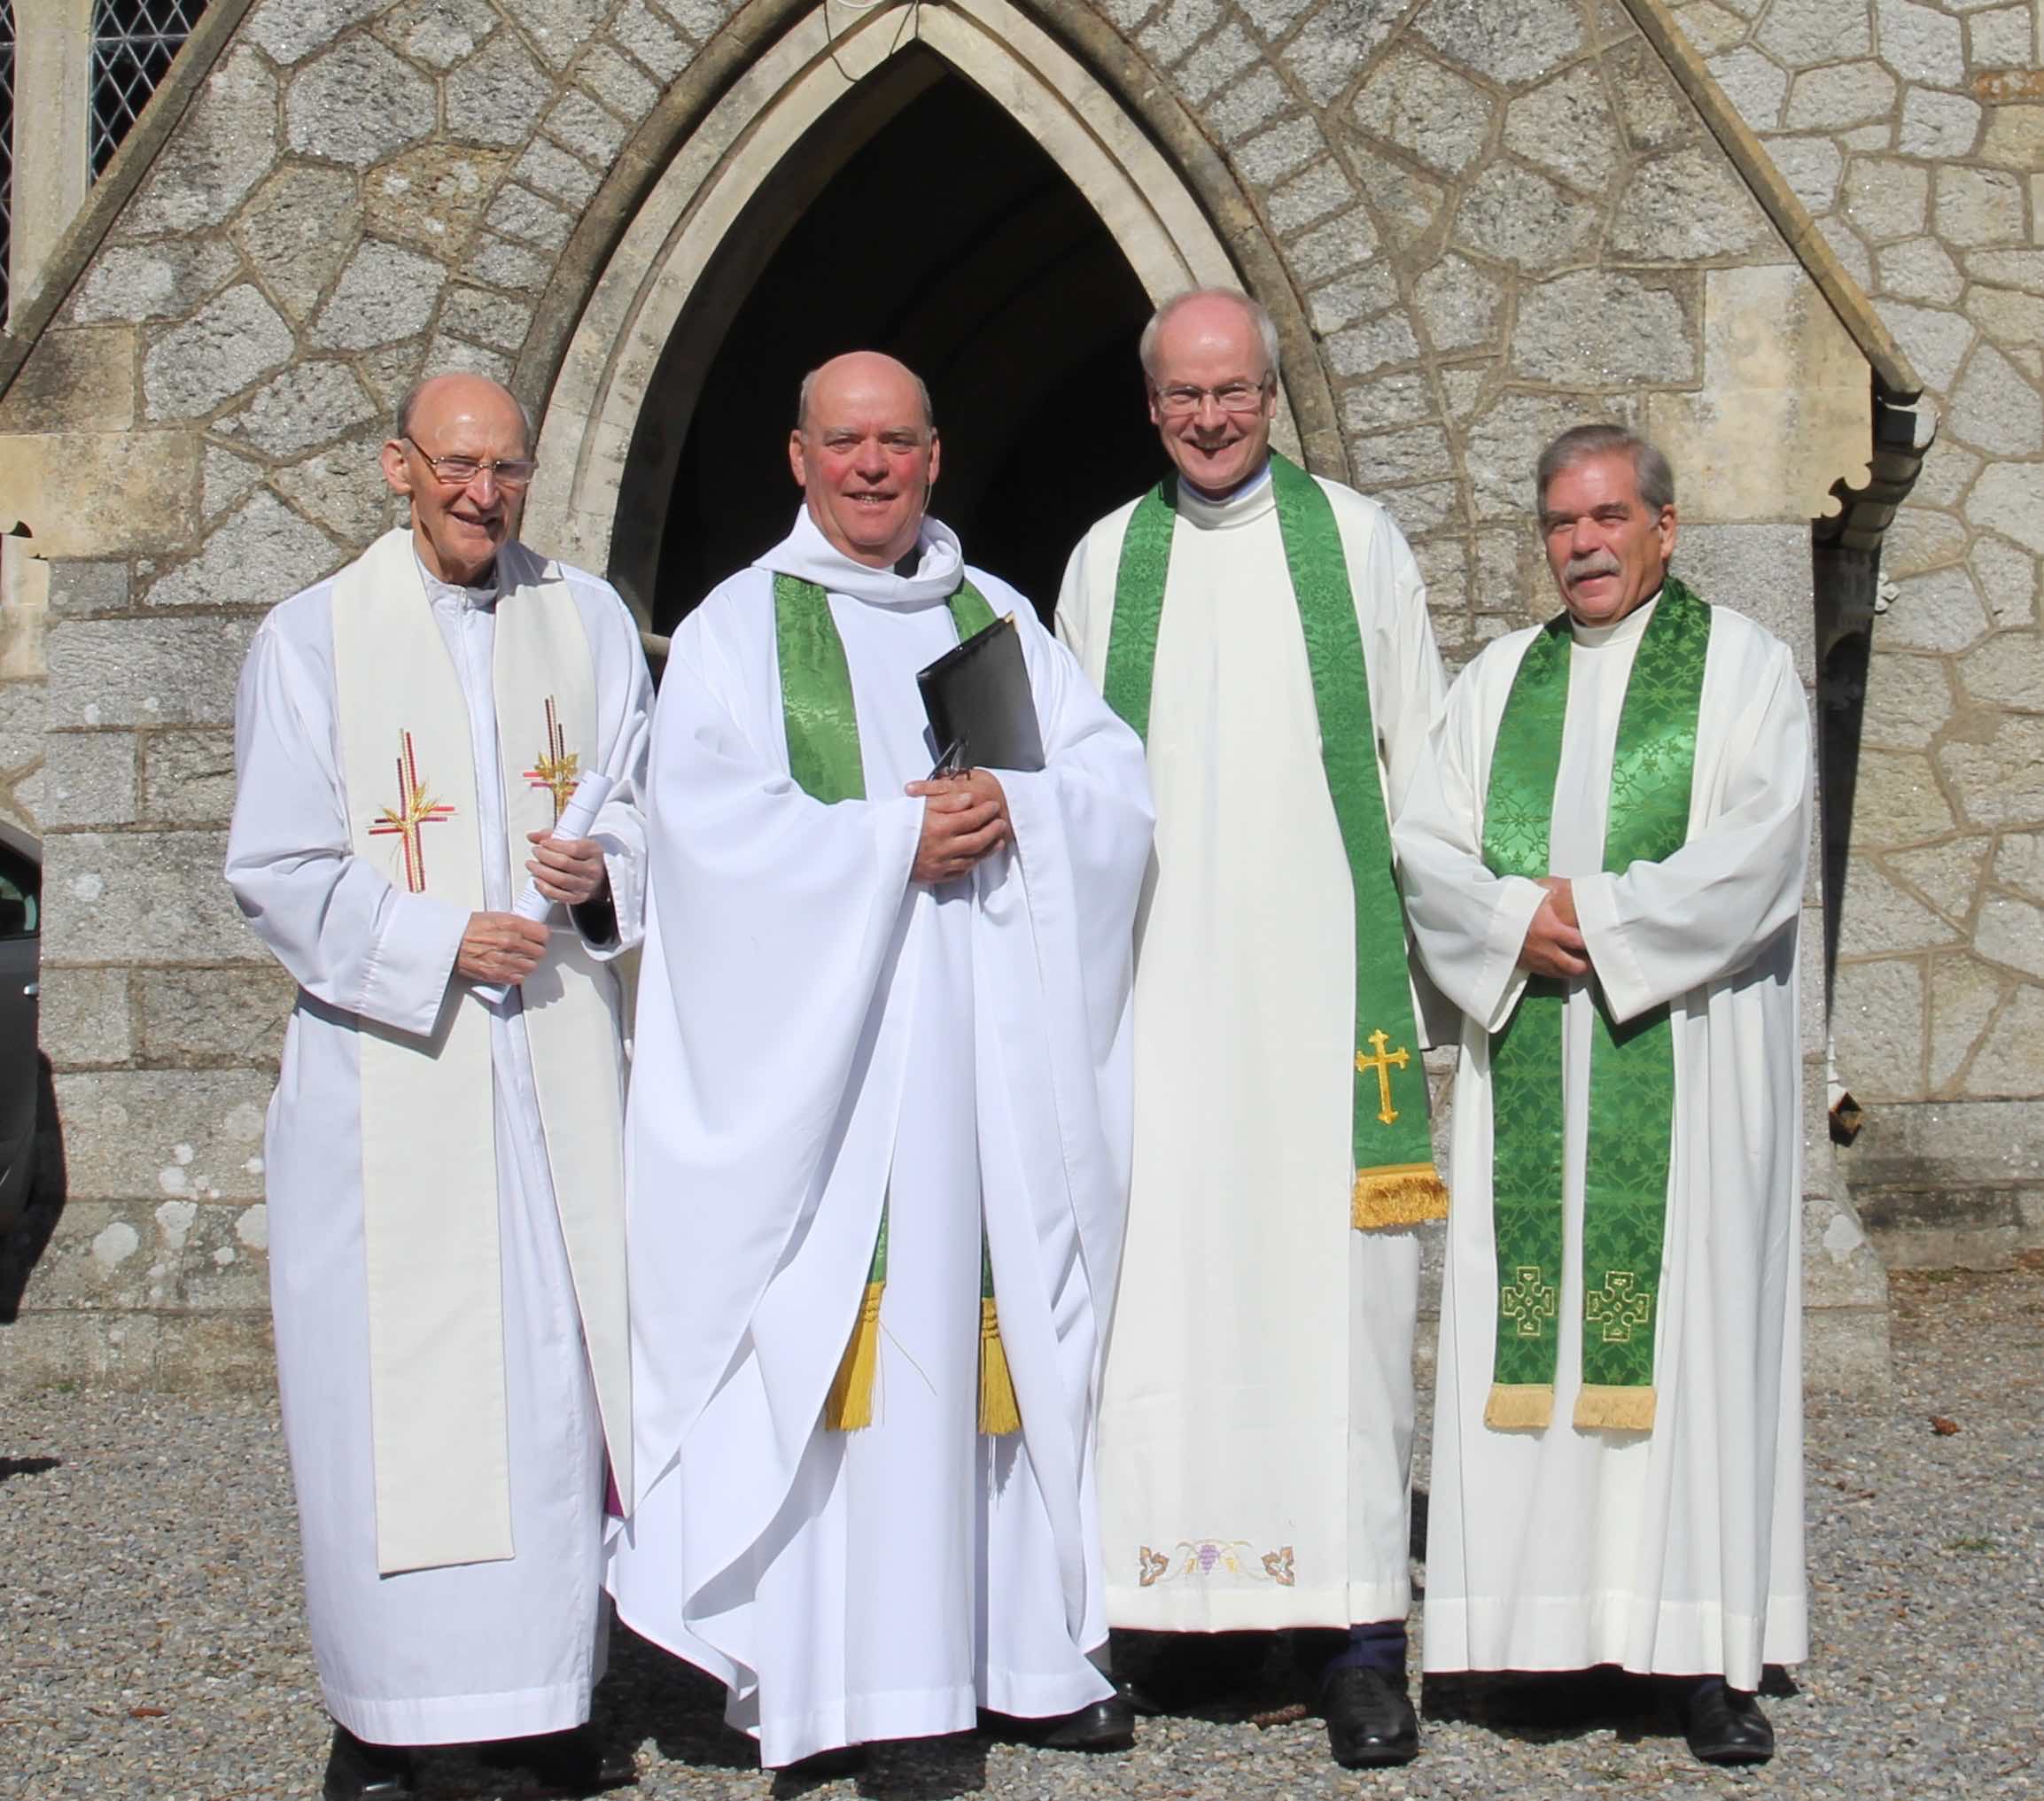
865, 451
871, 364
1206, 316
458, 394
461, 455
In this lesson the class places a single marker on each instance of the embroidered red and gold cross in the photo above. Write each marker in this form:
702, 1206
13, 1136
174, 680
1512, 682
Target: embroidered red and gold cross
415, 808
557, 768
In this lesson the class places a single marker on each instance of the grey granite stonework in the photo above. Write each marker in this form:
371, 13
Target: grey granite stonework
1491, 221
1917, 133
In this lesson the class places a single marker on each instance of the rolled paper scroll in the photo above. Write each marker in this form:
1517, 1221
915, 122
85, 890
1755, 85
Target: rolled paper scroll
576, 817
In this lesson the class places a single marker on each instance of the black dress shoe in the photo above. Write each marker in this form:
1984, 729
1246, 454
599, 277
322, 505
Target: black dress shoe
1370, 1719
573, 1762
1099, 1726
1140, 1701
356, 1771
1725, 1725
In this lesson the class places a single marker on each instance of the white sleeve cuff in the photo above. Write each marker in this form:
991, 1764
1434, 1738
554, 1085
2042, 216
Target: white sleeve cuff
617, 867
1502, 981
1618, 971
406, 982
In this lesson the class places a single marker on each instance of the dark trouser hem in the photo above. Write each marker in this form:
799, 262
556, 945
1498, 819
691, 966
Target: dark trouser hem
1379, 1646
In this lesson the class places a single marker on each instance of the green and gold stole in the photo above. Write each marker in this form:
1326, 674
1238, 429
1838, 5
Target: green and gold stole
823, 757
1631, 1065
1393, 1148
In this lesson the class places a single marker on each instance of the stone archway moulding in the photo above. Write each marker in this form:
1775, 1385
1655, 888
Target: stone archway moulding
614, 353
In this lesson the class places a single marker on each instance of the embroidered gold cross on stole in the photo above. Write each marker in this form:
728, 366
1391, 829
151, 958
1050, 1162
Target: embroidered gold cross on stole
415, 808
558, 766
1384, 1062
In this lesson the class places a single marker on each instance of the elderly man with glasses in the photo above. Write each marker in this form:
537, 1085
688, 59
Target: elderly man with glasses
444, 1155
1266, 632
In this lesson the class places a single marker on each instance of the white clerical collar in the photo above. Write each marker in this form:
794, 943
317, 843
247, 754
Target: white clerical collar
1619, 630
806, 554
1246, 502
1241, 491
482, 596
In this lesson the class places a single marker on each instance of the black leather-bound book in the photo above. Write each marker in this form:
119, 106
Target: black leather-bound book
980, 707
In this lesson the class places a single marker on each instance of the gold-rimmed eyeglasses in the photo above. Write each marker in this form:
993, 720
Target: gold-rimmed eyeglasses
459, 471
1180, 402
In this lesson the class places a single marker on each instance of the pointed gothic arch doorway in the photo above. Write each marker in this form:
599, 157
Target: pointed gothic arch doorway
951, 240
946, 183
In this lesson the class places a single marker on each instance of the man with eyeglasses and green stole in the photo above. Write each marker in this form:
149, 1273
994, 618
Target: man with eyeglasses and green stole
879, 1134
444, 1154
1604, 862
1266, 632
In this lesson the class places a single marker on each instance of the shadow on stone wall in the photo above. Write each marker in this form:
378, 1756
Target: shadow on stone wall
21, 1249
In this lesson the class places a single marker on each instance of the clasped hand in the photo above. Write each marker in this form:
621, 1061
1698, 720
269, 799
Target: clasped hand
500, 949
503, 949
1554, 941
964, 817
568, 870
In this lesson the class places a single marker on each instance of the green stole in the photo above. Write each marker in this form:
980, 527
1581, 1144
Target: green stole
1631, 1065
1391, 1144
823, 757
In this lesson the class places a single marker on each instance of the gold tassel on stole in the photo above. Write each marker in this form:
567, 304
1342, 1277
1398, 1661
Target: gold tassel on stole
849, 1404
1519, 1406
1402, 1194
999, 1413
1602, 1407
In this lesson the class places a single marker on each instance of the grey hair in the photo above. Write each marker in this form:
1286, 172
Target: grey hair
807, 390
1579, 443
1266, 327
410, 403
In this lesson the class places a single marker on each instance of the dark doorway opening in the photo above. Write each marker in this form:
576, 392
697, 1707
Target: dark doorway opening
946, 237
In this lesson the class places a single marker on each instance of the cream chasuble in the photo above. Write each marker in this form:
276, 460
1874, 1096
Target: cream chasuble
1256, 1424
448, 1363
1677, 1550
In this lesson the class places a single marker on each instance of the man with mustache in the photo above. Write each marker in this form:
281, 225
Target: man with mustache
1602, 863
1267, 631
444, 1155
879, 1135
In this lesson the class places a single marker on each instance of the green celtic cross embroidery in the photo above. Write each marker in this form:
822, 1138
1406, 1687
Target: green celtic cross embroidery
1619, 1309
1527, 1301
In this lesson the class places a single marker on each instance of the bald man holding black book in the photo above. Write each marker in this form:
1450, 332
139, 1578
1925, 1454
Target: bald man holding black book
879, 1129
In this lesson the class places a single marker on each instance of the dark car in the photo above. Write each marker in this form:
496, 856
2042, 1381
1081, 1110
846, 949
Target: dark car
20, 1082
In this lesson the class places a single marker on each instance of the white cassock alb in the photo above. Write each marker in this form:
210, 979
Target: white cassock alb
817, 1032
1257, 1425
512, 1644
1679, 1551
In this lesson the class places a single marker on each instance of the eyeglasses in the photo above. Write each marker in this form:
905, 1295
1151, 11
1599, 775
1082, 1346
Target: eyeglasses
459, 471
1235, 397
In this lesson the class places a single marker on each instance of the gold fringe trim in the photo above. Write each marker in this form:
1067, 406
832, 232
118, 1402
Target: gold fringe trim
998, 1414
1399, 1194
1598, 1408
849, 1404
1519, 1406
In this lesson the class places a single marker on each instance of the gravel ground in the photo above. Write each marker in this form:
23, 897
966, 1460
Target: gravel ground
151, 1642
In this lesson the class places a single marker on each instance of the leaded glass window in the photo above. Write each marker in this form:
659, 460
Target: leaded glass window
133, 44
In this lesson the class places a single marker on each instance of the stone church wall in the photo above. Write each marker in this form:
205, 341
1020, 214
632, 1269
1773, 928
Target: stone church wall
1915, 136
1492, 220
